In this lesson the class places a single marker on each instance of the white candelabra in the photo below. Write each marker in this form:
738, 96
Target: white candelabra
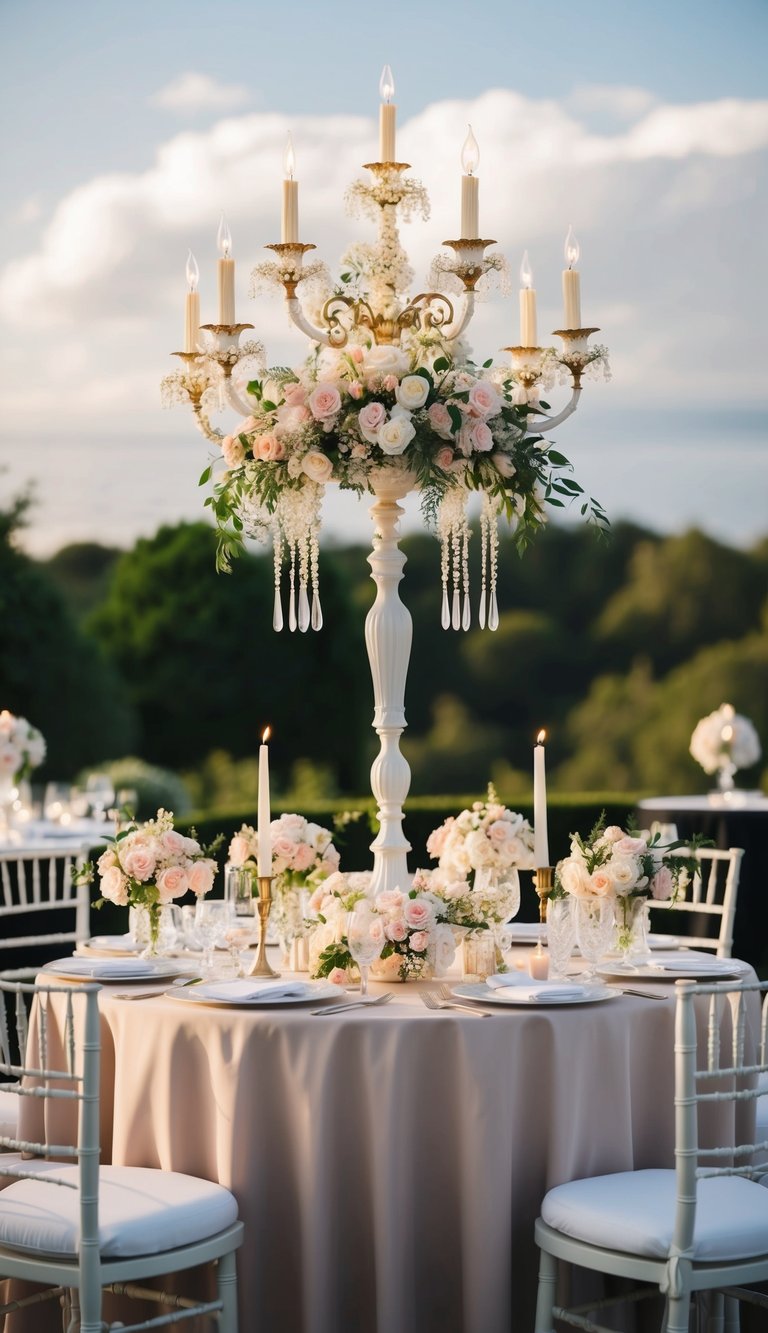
383, 316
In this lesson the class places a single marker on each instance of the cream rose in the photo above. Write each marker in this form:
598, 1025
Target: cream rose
233, 450
395, 435
504, 465
385, 361
413, 392
318, 467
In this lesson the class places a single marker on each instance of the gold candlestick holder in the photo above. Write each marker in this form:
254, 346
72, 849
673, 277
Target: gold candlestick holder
261, 966
543, 877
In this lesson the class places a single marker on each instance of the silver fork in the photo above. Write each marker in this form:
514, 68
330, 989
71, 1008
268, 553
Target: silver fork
354, 1004
434, 1001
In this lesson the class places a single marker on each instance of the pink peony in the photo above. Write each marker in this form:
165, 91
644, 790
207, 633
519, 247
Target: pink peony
201, 877
324, 401
172, 883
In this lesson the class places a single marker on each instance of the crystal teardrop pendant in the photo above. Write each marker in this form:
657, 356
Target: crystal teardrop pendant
466, 619
303, 608
292, 611
456, 613
277, 614
317, 613
445, 618
481, 610
493, 612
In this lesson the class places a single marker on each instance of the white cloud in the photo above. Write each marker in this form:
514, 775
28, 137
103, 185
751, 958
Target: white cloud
192, 92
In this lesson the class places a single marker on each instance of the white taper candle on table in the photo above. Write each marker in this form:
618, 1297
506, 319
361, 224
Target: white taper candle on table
528, 334
571, 284
226, 274
264, 813
540, 838
470, 185
387, 116
192, 306
290, 224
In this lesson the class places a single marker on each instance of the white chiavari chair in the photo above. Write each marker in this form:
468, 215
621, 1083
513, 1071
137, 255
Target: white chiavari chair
712, 895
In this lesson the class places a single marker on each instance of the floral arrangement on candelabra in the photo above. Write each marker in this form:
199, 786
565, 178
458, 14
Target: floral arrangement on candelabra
418, 928
149, 865
22, 748
627, 868
303, 855
723, 742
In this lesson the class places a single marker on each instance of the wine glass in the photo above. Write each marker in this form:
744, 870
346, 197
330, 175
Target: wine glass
56, 802
213, 918
594, 931
365, 941
561, 934
101, 794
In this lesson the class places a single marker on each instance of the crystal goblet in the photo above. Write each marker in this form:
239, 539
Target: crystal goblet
594, 931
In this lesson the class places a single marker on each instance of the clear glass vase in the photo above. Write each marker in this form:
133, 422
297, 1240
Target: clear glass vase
478, 955
631, 917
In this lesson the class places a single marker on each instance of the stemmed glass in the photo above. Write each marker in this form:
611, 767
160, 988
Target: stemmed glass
594, 931
101, 794
214, 917
365, 941
561, 934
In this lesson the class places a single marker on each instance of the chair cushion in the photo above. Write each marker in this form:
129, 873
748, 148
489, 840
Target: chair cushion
634, 1211
141, 1211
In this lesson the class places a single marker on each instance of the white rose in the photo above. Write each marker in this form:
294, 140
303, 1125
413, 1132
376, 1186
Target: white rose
479, 849
395, 435
318, 467
623, 871
412, 392
575, 878
385, 361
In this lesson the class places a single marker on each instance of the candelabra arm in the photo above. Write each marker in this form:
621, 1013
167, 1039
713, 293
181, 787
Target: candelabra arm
204, 424
236, 400
297, 315
467, 311
540, 421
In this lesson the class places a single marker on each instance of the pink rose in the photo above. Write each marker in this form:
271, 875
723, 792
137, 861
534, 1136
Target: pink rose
419, 914
370, 418
630, 846
390, 383
324, 401
337, 976
499, 831
246, 425
291, 417
303, 856
201, 877
139, 863
283, 847
239, 850
481, 437
440, 420
355, 389
396, 930
174, 842
601, 884
483, 399
444, 457
295, 395
172, 882
357, 355
233, 451
661, 884
419, 941
114, 886
391, 900
268, 448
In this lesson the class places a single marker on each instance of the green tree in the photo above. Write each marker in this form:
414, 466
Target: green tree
82, 572
50, 672
205, 670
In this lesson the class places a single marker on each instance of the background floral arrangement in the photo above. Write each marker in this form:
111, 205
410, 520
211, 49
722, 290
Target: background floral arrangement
724, 736
418, 927
613, 863
150, 864
488, 838
22, 747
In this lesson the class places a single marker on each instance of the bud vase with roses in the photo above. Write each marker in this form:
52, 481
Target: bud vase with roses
150, 865
303, 855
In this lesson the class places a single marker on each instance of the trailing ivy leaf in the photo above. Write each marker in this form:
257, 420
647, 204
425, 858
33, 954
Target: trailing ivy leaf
205, 476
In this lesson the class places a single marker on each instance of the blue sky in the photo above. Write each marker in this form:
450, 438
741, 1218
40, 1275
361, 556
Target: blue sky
645, 125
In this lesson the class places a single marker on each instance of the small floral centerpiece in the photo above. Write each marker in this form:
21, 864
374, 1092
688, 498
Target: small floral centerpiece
303, 855
723, 742
627, 868
22, 748
149, 865
486, 845
418, 928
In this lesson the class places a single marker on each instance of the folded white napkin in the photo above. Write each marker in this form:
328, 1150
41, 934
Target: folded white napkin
255, 990
535, 990
694, 963
120, 943
102, 968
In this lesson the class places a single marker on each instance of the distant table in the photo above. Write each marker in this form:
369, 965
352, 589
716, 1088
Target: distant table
741, 821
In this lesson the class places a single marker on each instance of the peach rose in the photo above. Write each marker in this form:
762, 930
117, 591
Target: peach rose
114, 886
201, 877
324, 401
318, 467
172, 882
139, 863
601, 884
268, 448
233, 450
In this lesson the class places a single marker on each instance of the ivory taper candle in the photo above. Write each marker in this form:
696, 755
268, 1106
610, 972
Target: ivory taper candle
387, 116
264, 814
290, 225
540, 837
528, 337
192, 306
470, 185
226, 274
571, 284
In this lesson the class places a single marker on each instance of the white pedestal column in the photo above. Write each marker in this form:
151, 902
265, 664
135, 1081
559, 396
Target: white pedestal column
388, 632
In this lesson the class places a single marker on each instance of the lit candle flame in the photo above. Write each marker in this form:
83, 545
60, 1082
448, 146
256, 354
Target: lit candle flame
470, 154
386, 84
572, 249
526, 272
224, 238
542, 736
265, 735
289, 158
193, 272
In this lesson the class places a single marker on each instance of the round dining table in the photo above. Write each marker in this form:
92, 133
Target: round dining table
388, 1162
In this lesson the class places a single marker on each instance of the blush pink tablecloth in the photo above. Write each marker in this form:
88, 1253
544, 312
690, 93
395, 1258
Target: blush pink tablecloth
388, 1164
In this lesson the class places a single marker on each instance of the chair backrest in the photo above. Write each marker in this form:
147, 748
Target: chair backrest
713, 894
33, 882
726, 1068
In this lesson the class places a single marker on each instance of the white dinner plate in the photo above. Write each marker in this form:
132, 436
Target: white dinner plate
689, 968
118, 945
197, 995
114, 971
477, 990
